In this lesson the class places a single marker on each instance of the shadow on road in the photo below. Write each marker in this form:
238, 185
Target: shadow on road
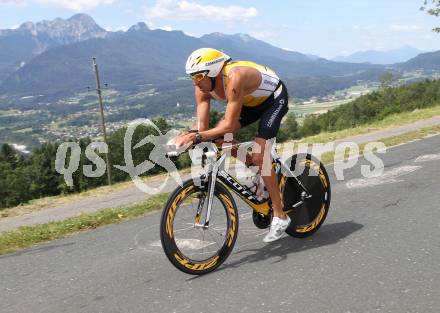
279, 250
327, 235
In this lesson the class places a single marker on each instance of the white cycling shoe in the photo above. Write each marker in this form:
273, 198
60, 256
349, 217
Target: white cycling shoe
277, 228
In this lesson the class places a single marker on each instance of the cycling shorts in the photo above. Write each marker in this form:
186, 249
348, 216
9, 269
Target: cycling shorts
270, 113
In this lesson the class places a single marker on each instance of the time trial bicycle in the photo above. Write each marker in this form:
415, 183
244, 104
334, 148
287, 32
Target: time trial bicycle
199, 224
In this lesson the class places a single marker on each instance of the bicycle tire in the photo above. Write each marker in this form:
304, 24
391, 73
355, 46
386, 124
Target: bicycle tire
308, 217
167, 232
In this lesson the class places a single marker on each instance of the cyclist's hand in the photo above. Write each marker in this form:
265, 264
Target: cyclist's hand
183, 141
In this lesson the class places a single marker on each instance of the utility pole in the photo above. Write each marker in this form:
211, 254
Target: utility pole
99, 91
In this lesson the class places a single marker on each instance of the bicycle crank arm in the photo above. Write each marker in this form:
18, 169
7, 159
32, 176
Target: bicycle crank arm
304, 196
293, 207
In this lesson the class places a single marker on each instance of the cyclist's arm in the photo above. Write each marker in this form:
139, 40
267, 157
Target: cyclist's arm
230, 123
202, 109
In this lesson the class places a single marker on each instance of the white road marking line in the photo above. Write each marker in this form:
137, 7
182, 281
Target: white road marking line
427, 158
388, 177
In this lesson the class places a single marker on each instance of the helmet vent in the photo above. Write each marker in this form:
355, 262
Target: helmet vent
206, 60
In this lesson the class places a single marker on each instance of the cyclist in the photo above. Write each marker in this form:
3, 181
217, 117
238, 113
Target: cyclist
252, 92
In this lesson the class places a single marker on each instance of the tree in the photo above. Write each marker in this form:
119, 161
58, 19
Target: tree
44, 179
432, 7
214, 117
14, 185
9, 155
386, 79
289, 129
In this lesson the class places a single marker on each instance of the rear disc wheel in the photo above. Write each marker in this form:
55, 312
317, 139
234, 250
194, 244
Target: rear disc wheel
308, 216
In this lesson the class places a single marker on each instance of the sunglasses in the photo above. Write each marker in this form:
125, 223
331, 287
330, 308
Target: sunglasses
198, 77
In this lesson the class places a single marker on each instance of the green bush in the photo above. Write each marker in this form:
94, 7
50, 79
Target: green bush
373, 107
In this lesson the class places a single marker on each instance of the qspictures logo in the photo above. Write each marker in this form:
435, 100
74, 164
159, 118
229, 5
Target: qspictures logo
345, 154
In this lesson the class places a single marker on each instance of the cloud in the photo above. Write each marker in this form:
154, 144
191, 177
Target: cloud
13, 2
191, 35
186, 10
167, 28
75, 5
72, 5
405, 28
117, 29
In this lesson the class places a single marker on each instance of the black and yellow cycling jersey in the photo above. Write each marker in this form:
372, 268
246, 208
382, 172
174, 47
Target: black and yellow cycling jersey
269, 82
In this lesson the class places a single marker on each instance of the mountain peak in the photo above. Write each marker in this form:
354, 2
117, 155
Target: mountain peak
27, 26
141, 26
83, 20
78, 26
45, 34
81, 17
255, 46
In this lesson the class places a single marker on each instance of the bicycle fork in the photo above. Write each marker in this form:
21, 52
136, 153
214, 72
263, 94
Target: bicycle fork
212, 178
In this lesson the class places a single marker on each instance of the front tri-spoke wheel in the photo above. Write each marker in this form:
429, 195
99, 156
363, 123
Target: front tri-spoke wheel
191, 244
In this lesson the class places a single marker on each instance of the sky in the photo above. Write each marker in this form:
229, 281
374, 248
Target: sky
320, 27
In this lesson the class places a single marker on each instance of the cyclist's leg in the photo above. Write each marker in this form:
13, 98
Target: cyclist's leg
261, 158
268, 128
234, 151
247, 117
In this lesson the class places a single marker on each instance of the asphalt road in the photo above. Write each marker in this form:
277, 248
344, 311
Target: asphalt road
378, 251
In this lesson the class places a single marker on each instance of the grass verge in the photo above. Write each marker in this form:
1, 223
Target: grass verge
30, 235
330, 157
394, 120
55, 201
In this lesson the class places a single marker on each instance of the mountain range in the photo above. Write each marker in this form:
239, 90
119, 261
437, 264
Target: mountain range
20, 45
429, 61
35, 56
53, 58
381, 57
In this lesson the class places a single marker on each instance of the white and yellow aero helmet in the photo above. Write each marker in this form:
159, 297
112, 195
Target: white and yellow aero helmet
207, 61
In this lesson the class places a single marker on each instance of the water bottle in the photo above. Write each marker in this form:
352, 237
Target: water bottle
256, 185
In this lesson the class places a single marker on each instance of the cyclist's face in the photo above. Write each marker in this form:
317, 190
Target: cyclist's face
204, 84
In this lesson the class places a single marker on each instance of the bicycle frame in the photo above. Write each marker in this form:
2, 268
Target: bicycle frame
216, 171
201, 245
